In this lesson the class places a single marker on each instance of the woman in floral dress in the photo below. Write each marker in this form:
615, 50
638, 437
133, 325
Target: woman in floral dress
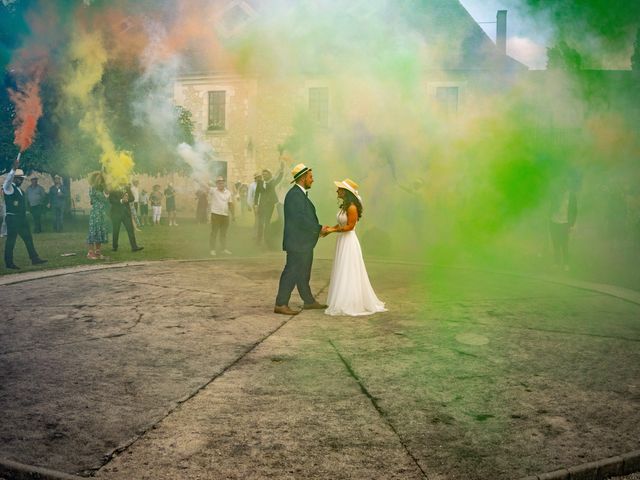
98, 222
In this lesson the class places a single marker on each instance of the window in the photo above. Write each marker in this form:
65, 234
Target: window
319, 106
234, 18
447, 99
218, 168
217, 110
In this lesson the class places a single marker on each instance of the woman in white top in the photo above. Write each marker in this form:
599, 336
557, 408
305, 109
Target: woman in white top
350, 292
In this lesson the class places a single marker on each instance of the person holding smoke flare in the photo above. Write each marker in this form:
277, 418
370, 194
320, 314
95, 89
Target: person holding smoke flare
98, 225
266, 199
16, 217
221, 205
121, 214
350, 292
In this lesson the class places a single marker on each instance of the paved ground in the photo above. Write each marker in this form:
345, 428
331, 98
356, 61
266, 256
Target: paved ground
179, 370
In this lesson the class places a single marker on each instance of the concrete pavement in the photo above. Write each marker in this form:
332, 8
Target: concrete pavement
181, 370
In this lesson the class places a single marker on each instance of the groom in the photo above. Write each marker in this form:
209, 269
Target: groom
301, 232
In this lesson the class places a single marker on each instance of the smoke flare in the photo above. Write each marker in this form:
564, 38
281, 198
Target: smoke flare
28, 110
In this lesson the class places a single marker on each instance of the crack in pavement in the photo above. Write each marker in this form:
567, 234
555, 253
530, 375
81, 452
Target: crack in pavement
123, 447
61, 344
378, 408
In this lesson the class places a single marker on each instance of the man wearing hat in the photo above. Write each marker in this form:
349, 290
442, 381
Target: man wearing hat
301, 233
16, 218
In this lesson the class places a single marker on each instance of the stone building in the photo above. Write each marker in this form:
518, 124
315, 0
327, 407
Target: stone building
246, 116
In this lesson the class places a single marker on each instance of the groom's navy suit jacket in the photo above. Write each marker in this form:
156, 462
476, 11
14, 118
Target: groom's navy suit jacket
301, 227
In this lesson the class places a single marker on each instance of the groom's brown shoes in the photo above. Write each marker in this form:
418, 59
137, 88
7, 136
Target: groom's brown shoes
314, 306
285, 310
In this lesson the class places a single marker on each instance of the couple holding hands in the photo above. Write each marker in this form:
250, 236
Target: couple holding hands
350, 292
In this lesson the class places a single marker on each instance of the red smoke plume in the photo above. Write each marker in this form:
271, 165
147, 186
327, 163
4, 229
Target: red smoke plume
28, 111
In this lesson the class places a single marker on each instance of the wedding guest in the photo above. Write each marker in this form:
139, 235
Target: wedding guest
121, 214
266, 199
562, 217
144, 207
221, 202
135, 205
244, 206
252, 202
98, 224
3, 215
156, 204
135, 191
170, 199
57, 201
37, 200
16, 218
201, 205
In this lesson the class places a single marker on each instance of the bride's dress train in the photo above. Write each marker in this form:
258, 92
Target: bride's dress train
350, 292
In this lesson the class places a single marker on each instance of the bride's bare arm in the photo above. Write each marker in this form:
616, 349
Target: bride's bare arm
352, 219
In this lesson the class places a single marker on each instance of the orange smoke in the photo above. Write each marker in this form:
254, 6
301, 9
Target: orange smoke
28, 110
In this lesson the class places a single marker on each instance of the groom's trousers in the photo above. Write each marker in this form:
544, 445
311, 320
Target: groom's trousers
296, 273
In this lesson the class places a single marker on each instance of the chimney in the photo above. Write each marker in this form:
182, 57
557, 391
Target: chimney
501, 31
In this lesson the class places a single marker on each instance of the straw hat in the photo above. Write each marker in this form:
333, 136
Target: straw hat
299, 170
18, 173
350, 185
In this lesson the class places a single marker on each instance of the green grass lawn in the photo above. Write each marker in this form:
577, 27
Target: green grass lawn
187, 241
593, 258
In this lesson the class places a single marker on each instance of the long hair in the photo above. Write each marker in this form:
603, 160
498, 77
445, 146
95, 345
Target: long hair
97, 181
350, 199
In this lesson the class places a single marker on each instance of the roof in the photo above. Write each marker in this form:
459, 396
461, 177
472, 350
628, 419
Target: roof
327, 35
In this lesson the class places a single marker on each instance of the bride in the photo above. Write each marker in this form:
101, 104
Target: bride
350, 292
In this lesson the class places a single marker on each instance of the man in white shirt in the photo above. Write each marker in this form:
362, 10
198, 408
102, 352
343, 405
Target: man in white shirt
221, 203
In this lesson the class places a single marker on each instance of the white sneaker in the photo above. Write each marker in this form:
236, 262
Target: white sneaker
226, 252
213, 253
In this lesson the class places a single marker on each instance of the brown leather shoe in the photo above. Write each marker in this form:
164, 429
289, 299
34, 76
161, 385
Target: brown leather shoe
285, 310
314, 306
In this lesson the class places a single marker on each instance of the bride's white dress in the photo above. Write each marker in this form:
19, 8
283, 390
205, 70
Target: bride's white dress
350, 292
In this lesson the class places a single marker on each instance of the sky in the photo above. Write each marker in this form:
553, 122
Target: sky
526, 39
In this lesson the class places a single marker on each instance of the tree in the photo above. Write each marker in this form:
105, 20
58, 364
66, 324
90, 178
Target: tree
562, 57
61, 147
635, 58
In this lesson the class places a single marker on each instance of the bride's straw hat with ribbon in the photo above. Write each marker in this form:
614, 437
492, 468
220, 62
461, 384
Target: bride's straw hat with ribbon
350, 185
299, 170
